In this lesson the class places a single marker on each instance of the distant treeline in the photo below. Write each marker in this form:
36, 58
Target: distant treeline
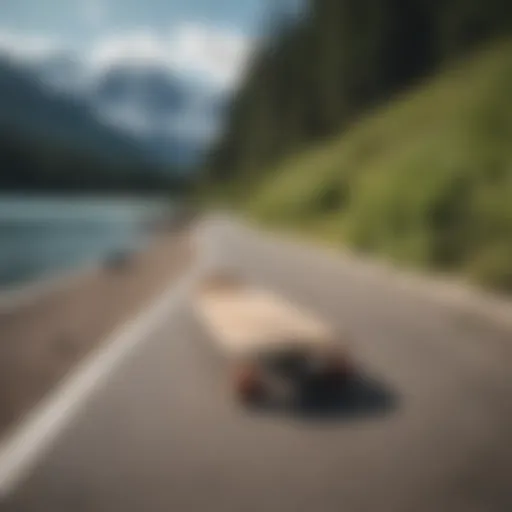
36, 165
314, 77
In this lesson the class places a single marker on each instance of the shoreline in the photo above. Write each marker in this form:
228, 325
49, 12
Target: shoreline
24, 293
18, 293
48, 327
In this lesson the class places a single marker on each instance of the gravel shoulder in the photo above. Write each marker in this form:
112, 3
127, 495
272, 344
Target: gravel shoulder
42, 340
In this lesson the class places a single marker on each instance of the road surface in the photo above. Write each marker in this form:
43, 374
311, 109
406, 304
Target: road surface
428, 429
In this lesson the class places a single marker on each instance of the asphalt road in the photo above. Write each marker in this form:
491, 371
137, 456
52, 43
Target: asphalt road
428, 428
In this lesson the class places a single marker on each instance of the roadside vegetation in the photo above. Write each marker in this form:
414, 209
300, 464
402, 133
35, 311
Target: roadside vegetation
383, 126
426, 180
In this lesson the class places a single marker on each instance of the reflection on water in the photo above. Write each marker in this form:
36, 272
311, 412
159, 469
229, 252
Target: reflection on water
43, 236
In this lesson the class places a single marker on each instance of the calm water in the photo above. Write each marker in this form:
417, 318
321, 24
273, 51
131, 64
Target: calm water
44, 236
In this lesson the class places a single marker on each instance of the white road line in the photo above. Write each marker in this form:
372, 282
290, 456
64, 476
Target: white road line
30, 440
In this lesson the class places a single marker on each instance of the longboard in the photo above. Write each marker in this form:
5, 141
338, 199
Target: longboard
245, 319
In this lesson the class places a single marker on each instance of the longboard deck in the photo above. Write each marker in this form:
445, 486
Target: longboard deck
244, 319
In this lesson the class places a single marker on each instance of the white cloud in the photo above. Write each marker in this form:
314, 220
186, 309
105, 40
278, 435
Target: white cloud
140, 46
26, 46
218, 54
215, 55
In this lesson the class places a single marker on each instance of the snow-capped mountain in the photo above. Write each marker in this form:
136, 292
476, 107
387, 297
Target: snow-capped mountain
62, 73
29, 108
146, 87
172, 117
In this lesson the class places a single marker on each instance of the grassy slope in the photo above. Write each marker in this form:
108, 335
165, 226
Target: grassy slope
425, 181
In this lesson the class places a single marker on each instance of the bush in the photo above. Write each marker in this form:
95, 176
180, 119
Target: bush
492, 267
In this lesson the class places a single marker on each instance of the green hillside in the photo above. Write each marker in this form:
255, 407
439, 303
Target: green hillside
426, 180
313, 77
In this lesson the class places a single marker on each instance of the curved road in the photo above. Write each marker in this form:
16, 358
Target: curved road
428, 428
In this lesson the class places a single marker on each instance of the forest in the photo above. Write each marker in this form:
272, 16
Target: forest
315, 77
36, 164
381, 127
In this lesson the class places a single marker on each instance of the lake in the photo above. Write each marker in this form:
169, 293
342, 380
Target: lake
44, 236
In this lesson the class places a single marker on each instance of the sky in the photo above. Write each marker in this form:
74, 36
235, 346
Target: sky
206, 43
208, 38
